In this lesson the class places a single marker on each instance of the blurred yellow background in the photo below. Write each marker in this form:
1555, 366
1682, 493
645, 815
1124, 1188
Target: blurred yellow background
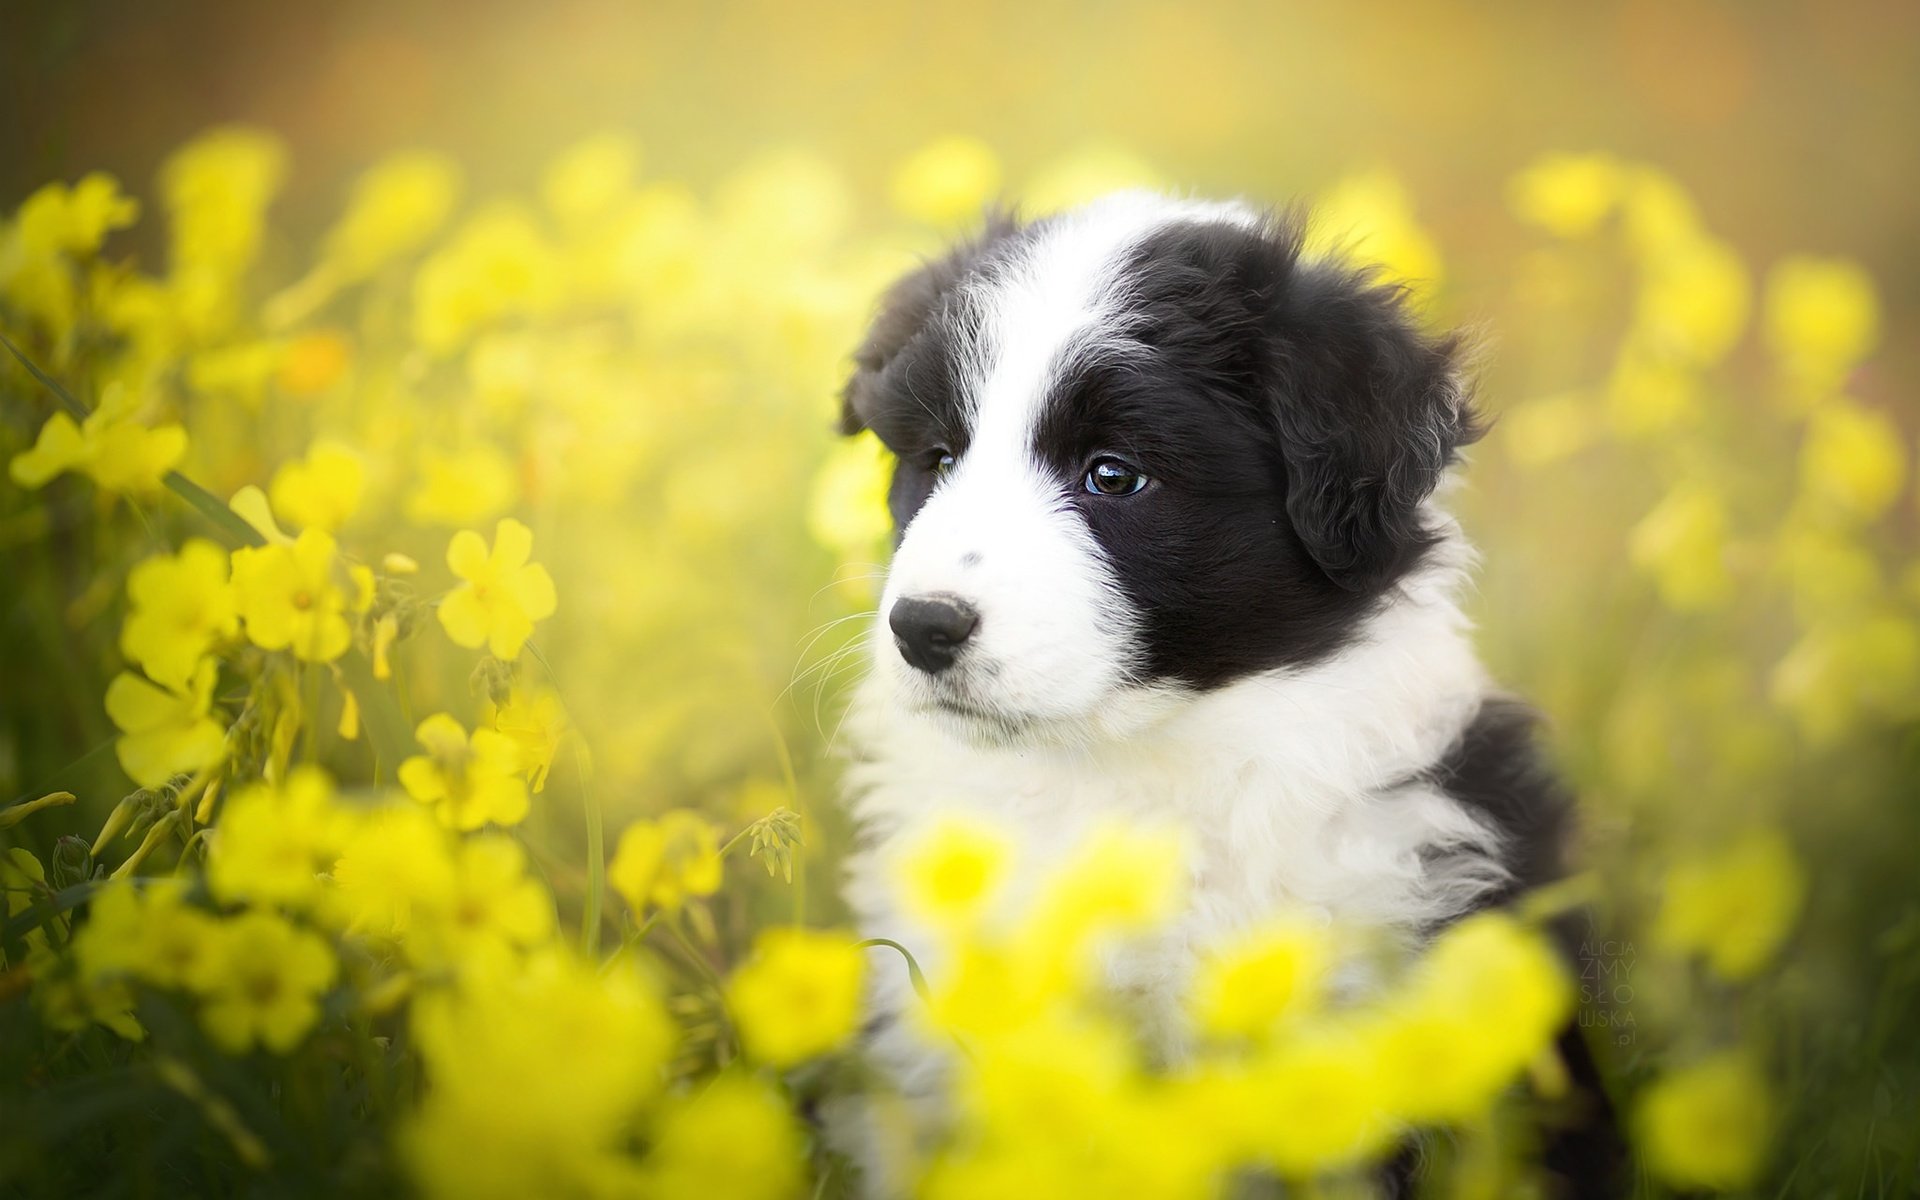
1683, 234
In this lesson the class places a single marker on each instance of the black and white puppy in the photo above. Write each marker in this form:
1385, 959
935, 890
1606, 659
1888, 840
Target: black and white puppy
1169, 551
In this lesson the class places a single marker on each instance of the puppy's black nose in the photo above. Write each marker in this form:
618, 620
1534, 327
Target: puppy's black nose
929, 630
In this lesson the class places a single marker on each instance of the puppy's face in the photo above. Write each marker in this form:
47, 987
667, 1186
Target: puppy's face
1144, 451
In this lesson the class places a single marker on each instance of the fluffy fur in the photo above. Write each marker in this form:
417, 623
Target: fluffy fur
1261, 647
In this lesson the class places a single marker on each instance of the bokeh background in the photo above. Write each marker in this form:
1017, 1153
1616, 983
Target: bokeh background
1683, 233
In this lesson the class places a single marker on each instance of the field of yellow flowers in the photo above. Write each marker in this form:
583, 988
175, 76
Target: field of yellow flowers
423, 648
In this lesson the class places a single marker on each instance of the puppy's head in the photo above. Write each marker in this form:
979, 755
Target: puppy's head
1145, 449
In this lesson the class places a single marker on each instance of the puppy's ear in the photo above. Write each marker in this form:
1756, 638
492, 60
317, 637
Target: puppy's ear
913, 301
1371, 411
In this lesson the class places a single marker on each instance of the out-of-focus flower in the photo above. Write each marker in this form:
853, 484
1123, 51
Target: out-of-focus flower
395, 206
1539, 433
663, 862
461, 487
290, 597
110, 447
798, 997
181, 606
1333, 1088
1118, 881
952, 871
1648, 395
1839, 672
1822, 319
1368, 218
165, 731
1085, 173
1568, 195
847, 512
311, 362
537, 722
261, 983
74, 220
787, 201
1682, 544
1262, 978
491, 907
68, 1002
1734, 907
467, 781
1486, 1000
1694, 301
538, 1072
145, 931
590, 177
948, 181
1707, 1125
322, 490
733, 1138
397, 862
1854, 460
239, 371
498, 264
273, 844
216, 190
503, 594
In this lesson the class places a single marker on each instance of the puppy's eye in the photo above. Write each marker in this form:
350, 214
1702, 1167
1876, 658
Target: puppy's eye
942, 465
1111, 477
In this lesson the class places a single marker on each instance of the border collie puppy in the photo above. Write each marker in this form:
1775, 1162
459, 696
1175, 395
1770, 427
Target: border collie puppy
1169, 551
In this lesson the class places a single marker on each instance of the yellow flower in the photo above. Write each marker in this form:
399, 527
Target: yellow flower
216, 190
1119, 880
1822, 319
847, 512
538, 1071
68, 1002
1854, 459
498, 264
491, 907
290, 597
1735, 907
1693, 301
461, 487
951, 872
1866, 665
1487, 999
590, 177
468, 781
182, 605
312, 362
58, 219
1369, 218
1261, 978
147, 931
947, 181
665, 861
396, 868
1568, 195
537, 722
273, 845
798, 996
111, 448
1707, 1125
261, 983
734, 1137
503, 595
1321, 1099
395, 206
322, 490
1682, 544
165, 732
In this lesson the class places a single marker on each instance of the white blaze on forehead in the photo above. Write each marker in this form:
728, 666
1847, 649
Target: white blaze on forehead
1065, 282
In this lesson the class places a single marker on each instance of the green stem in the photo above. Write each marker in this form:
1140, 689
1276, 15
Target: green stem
596, 854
